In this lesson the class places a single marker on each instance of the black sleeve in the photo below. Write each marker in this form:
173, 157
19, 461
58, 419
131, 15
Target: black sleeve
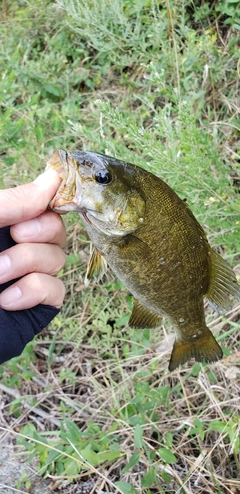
19, 327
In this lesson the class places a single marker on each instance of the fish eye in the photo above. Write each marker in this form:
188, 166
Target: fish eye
103, 177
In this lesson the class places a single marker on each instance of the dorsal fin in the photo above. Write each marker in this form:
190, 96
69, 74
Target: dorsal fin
97, 266
223, 283
143, 318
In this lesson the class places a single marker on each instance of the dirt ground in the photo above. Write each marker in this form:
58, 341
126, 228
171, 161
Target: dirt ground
12, 468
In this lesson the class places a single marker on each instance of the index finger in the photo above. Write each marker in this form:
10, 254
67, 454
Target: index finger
28, 201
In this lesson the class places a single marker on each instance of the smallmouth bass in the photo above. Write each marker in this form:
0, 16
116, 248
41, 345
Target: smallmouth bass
153, 243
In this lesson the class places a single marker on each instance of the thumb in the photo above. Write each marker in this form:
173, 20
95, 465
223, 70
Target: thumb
28, 201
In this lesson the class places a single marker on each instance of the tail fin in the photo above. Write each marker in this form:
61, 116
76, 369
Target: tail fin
202, 349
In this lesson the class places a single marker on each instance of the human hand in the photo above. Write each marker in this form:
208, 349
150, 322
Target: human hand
38, 256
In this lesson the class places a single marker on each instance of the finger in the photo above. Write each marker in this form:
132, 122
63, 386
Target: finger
28, 201
48, 227
33, 289
28, 258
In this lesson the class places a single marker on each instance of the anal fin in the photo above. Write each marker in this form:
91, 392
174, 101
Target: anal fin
142, 317
223, 283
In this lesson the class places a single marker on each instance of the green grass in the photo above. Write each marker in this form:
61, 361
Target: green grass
157, 84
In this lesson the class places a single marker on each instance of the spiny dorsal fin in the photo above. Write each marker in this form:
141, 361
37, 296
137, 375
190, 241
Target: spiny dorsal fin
97, 266
143, 318
223, 283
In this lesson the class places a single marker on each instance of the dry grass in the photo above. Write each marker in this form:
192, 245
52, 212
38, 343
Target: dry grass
99, 394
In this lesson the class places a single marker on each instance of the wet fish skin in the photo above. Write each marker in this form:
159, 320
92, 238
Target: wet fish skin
153, 243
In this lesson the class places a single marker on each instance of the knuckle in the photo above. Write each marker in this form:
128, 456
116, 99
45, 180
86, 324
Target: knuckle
55, 292
44, 289
38, 282
54, 228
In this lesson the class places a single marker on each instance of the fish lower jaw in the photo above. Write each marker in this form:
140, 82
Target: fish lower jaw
109, 230
61, 207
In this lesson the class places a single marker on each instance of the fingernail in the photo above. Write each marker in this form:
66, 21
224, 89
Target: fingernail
5, 264
46, 179
10, 296
30, 228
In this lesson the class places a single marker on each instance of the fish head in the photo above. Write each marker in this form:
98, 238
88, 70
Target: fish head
101, 189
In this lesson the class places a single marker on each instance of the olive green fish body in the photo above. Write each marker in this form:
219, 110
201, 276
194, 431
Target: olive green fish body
153, 243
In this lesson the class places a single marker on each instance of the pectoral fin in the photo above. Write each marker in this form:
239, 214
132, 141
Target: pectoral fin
133, 248
223, 283
202, 349
97, 266
143, 318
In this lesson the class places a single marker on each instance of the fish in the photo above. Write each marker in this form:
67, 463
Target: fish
151, 240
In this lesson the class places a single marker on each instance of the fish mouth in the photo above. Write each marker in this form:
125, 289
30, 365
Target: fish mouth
66, 198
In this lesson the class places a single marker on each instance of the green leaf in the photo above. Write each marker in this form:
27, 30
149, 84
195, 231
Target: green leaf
125, 487
72, 259
121, 321
52, 455
70, 431
28, 430
149, 478
53, 89
138, 439
166, 477
169, 439
90, 456
167, 456
234, 122
199, 429
71, 467
218, 426
40, 133
132, 462
108, 455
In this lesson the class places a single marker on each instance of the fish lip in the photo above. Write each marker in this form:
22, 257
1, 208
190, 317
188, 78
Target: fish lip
65, 198
61, 206
58, 161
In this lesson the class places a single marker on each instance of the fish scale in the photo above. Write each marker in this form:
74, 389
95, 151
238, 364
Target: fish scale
151, 240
